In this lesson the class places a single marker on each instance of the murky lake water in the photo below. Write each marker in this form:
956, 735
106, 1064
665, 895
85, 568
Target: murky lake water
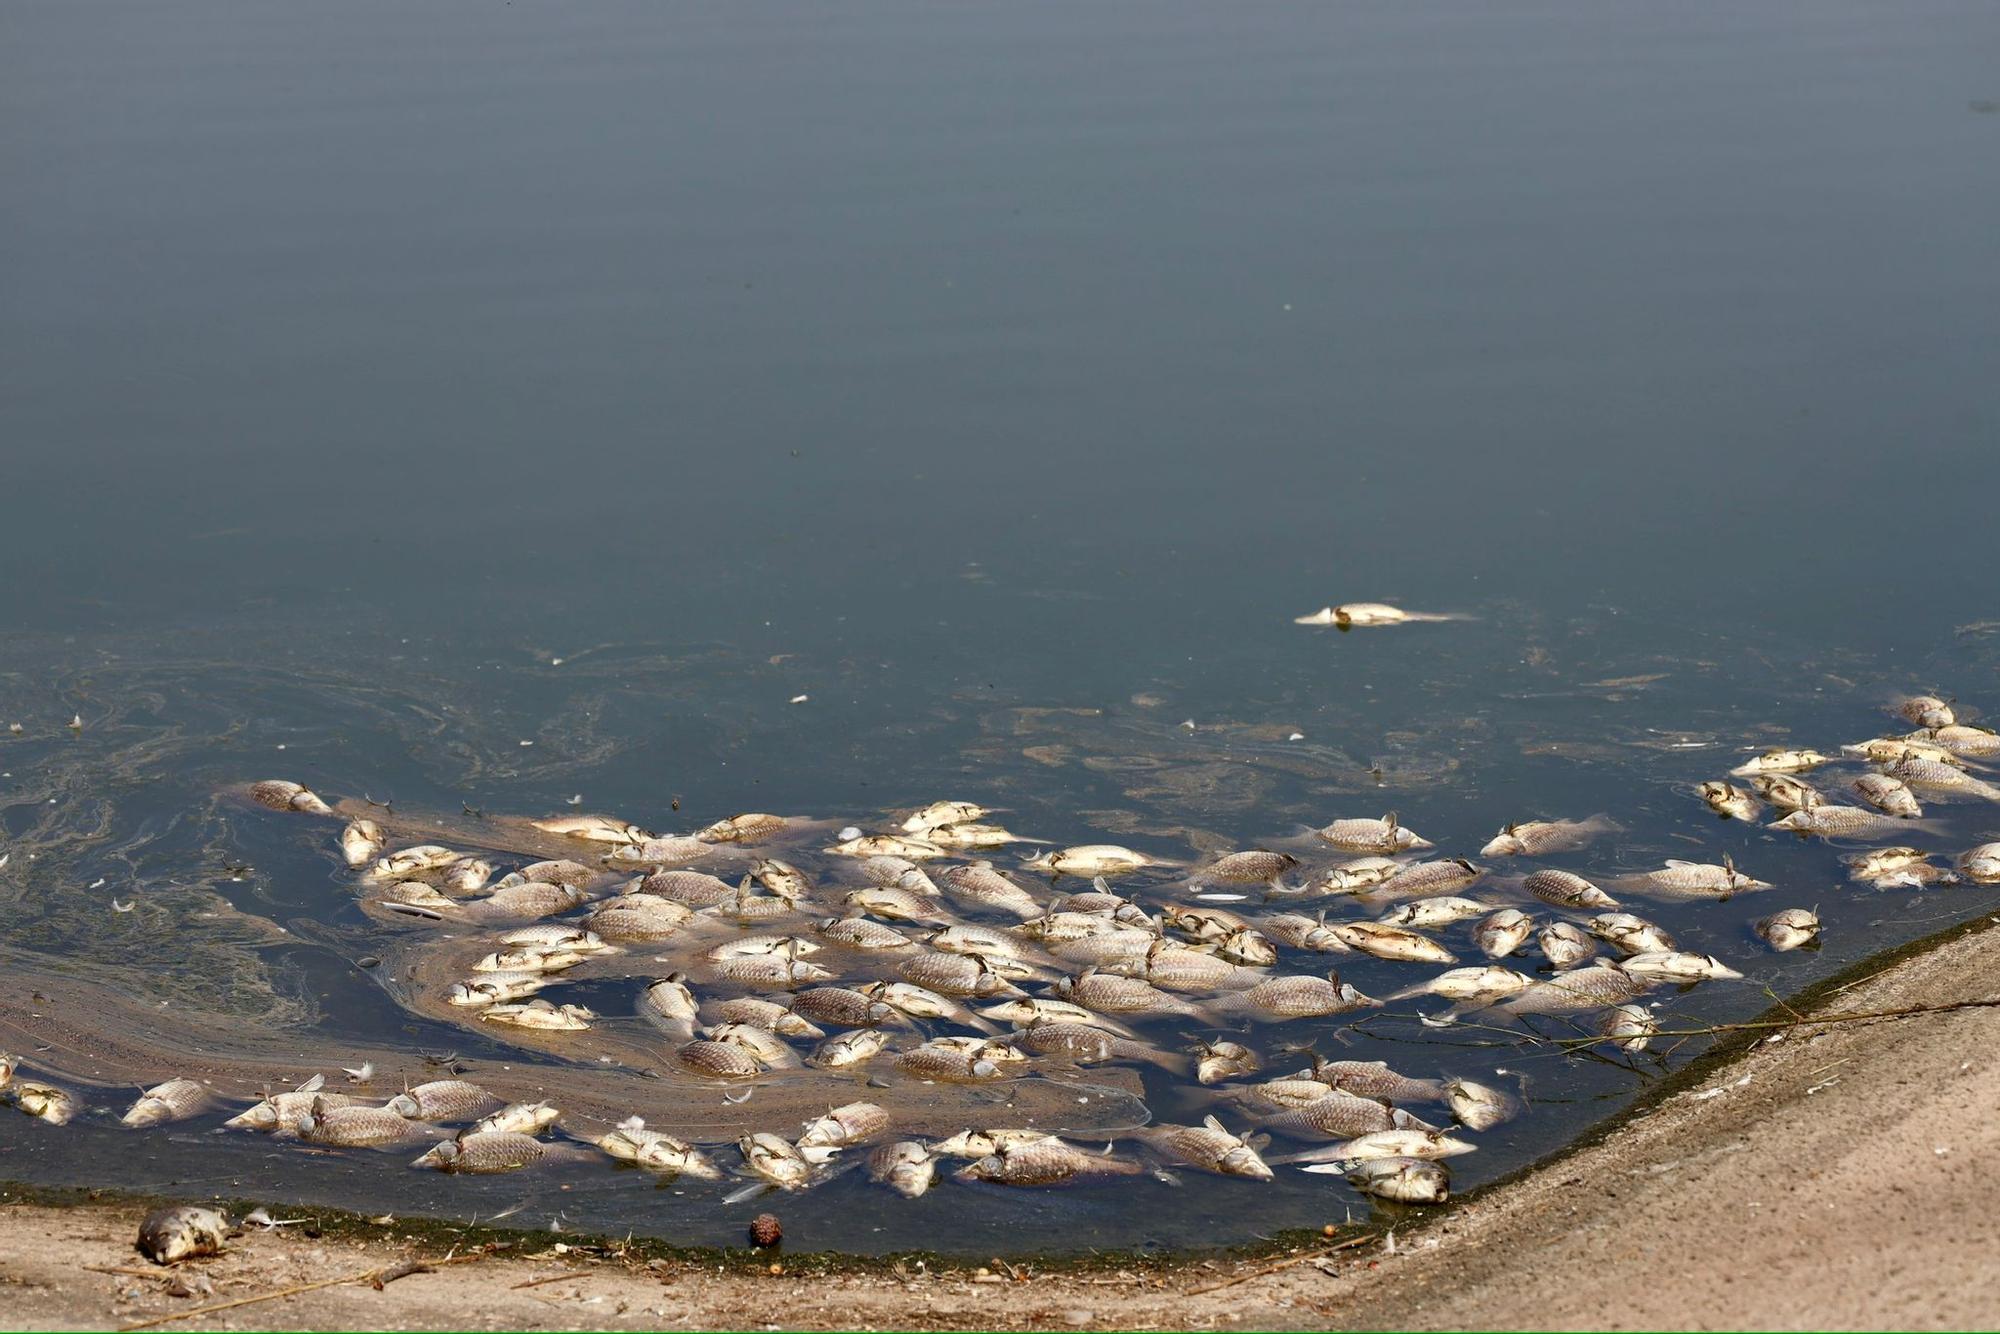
1003, 381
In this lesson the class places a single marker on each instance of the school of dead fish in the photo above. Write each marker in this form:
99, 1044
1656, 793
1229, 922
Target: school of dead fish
909, 945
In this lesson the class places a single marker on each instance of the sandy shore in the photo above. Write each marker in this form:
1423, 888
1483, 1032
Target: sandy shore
1838, 1178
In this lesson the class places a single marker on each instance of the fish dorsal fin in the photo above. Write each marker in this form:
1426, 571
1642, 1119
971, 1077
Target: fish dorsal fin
1466, 864
1389, 819
1677, 863
313, 1085
1214, 1123
1100, 884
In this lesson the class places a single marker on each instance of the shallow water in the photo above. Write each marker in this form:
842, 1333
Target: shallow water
1004, 382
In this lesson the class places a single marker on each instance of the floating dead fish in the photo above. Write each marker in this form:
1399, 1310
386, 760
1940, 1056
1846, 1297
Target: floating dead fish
1503, 933
1788, 930
1564, 944
1927, 711
1925, 775
1787, 793
748, 828
181, 1231
847, 1125
44, 1102
352, 1127
1484, 983
975, 836
520, 1118
1381, 835
772, 970
1592, 987
1337, 1115
844, 1050
973, 1062
656, 1152
1208, 1147
1981, 864
1087, 1044
361, 842
1695, 880
659, 851
889, 845
1091, 859
1480, 1106
1629, 934
780, 1162
175, 1100
1110, 993
1780, 761
1374, 1079
764, 1014
1729, 801
1959, 740
280, 795
1299, 997
8, 1065
1627, 1027
496, 988
405, 863
1429, 1144
1404, 1180
592, 829
1350, 614
1842, 822
978, 885
484, 1152
943, 814
1357, 876
1047, 1162
1391, 942
1565, 890
1889, 749
718, 1060
284, 1111
442, 1100
1221, 1061
1433, 878
1427, 914
1677, 966
906, 1167
1304, 933
1248, 868
1889, 795
1536, 838
956, 975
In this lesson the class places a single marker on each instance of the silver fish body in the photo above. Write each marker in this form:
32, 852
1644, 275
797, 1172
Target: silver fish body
1503, 933
1729, 801
906, 1167
1382, 835
1791, 929
180, 1231
175, 1100
1565, 890
484, 1152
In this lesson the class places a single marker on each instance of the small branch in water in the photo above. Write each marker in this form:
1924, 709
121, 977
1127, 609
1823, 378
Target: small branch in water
375, 1277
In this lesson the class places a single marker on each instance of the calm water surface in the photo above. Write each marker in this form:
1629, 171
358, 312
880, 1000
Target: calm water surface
1003, 379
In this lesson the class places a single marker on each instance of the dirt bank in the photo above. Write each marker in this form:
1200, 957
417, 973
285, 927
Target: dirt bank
1837, 1177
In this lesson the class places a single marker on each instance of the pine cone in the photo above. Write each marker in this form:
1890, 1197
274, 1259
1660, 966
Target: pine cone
765, 1231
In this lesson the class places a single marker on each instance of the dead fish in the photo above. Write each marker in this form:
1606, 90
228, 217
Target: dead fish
986, 1143
1889, 749
639, 917
1927, 711
283, 1111
1337, 1115
765, 1014
1430, 1144
406, 863
361, 842
1201, 922
1027, 1011
669, 1005
1208, 1147
1479, 1106
494, 988
841, 1007
1729, 801
857, 1047
1981, 864
1374, 1079
413, 898
1959, 740
8, 1065
1278, 1095
1377, 836
849, 1124
694, 889
1592, 987
442, 1100
767, 1048
1787, 793
782, 878
1503, 933
1682, 879
1248, 947
354, 1127
1433, 878
1047, 1162
467, 875
1629, 934
1404, 1180
753, 946
1125, 948
1934, 776
979, 885
1780, 761
906, 1167
889, 845
747, 828
44, 1102
1110, 993
961, 938
1432, 913
1482, 983
1218, 1062
1788, 930
551, 935
592, 829
1888, 795
1564, 944
1877, 862
1303, 933
898, 905
917, 1002
1677, 966
175, 1100
1627, 1027
780, 1162
527, 899
1359, 875
1350, 614
896, 873
529, 959
679, 848
484, 1152
1391, 942
1090, 859
1840, 822
1249, 868
718, 1060
772, 970
978, 1061
280, 795
956, 975
632, 1143
1567, 891
943, 814
180, 1231
519, 1118
1536, 838
1087, 1044
1176, 968
1300, 997
975, 836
